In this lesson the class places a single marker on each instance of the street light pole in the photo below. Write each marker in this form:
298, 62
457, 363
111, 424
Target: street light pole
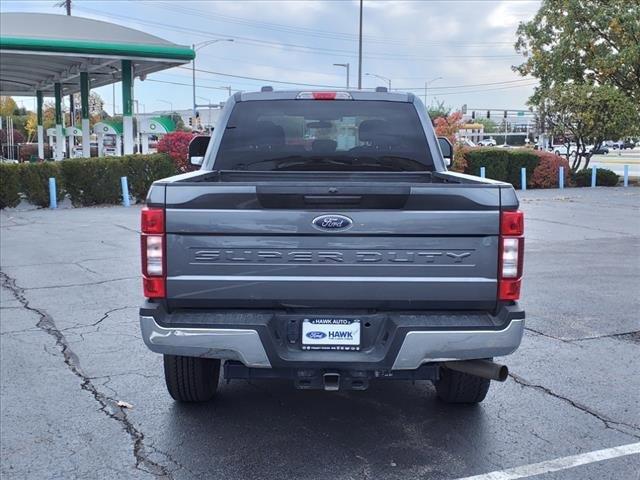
196, 47
426, 85
345, 65
360, 51
388, 80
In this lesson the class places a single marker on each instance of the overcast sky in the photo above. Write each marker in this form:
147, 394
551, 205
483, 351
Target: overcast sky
469, 44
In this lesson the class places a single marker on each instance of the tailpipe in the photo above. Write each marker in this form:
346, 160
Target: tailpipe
480, 368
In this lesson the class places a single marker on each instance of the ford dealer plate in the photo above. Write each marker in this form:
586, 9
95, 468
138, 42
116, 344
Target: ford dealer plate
330, 334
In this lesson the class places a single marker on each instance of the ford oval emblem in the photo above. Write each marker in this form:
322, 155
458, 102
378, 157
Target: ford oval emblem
316, 335
332, 222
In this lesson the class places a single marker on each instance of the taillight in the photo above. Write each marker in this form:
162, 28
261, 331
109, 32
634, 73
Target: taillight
152, 244
511, 255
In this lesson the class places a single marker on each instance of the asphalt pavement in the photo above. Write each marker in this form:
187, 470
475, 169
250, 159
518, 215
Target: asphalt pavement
82, 397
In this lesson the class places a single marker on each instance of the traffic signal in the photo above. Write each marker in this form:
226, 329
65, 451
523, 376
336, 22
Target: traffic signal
473, 115
488, 113
191, 121
505, 114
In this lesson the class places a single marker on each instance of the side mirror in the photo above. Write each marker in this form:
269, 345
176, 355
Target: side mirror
447, 150
197, 149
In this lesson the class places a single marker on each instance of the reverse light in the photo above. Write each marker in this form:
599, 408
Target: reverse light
152, 245
511, 255
324, 96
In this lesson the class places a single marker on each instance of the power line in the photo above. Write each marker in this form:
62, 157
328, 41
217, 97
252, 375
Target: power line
279, 27
256, 42
340, 87
327, 86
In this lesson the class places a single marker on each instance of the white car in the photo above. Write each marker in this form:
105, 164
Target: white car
487, 142
564, 149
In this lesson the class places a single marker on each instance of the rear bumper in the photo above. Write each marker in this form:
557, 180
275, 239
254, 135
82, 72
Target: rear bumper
393, 340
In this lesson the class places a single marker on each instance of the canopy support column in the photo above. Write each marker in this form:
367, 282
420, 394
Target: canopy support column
84, 101
59, 150
39, 101
127, 106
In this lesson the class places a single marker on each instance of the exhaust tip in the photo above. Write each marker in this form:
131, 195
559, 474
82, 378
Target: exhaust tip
503, 373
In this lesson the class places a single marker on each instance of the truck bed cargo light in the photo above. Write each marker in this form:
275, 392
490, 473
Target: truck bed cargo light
324, 96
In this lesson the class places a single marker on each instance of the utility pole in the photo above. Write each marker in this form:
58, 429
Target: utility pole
360, 51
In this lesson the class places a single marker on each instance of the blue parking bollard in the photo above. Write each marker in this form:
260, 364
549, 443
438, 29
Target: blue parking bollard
125, 191
53, 197
626, 175
523, 178
482, 172
561, 177
593, 176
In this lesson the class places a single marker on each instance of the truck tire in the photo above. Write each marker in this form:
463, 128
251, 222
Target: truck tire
191, 379
458, 387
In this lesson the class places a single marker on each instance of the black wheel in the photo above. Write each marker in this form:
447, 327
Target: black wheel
191, 379
458, 387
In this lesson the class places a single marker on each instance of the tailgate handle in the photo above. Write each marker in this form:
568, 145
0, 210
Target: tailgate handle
329, 199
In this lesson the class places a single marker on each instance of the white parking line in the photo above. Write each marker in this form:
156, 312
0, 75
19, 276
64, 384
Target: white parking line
562, 463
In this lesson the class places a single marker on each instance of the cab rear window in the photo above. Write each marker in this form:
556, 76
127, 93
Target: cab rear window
317, 135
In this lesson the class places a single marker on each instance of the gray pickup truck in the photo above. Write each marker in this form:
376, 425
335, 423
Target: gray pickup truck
324, 241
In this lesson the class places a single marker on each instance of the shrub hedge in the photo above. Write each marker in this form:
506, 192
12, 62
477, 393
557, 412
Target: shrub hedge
546, 174
9, 185
604, 178
34, 181
91, 181
501, 163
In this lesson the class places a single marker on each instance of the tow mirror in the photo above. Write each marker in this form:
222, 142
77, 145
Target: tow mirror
447, 150
197, 149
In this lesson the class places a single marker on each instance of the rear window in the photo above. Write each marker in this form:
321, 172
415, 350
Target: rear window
317, 135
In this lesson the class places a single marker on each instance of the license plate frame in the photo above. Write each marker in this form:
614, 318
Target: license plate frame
331, 333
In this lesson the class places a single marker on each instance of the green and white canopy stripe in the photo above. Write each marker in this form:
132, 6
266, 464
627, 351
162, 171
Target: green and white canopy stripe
157, 125
108, 127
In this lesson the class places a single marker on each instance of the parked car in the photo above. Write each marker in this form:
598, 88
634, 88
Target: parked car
487, 142
357, 259
603, 150
623, 144
564, 149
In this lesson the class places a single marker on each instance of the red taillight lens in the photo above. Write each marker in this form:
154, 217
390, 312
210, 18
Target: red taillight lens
152, 244
512, 223
511, 255
152, 220
153, 287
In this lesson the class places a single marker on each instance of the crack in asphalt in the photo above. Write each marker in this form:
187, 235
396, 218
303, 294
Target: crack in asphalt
632, 335
608, 422
546, 335
108, 405
105, 315
100, 282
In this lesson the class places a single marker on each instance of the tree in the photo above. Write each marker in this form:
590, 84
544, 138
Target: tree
488, 124
583, 41
448, 126
176, 145
589, 114
31, 126
7, 106
438, 110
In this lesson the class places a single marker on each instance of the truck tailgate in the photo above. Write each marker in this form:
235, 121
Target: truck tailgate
237, 247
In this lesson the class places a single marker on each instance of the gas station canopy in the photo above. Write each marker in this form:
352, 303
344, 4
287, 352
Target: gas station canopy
55, 55
40, 49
